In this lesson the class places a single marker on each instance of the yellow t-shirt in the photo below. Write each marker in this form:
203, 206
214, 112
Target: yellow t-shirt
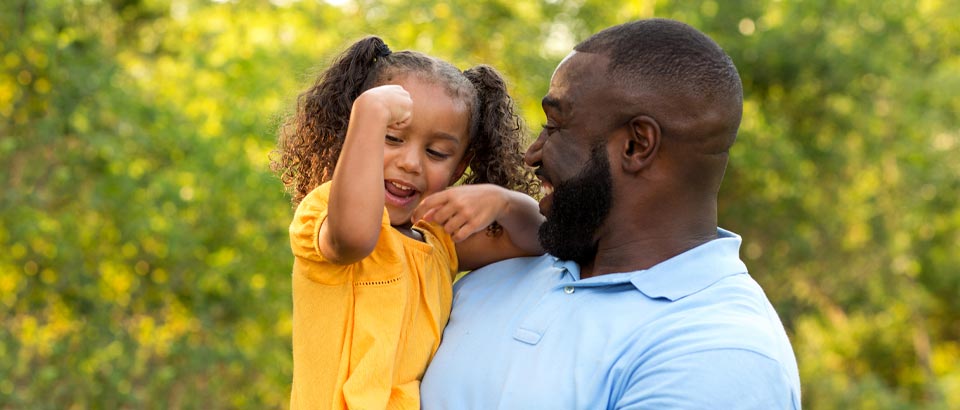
364, 333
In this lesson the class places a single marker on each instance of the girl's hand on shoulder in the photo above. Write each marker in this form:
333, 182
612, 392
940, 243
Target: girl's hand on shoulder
463, 210
391, 101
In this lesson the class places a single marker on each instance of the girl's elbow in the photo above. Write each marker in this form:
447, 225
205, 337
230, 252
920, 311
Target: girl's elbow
349, 253
349, 248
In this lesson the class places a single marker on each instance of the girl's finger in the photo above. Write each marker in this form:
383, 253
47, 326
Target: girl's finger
428, 204
465, 231
442, 214
454, 225
426, 217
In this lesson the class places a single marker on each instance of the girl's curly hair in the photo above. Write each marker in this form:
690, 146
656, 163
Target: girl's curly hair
496, 135
310, 140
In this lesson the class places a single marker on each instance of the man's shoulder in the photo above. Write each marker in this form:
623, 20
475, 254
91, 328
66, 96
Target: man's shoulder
506, 268
528, 262
730, 315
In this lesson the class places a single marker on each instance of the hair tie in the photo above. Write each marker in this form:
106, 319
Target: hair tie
383, 50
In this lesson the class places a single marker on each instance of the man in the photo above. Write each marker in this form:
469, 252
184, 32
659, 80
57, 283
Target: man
643, 301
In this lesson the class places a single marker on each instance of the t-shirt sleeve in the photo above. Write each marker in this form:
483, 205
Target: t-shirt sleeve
305, 244
305, 228
720, 379
443, 243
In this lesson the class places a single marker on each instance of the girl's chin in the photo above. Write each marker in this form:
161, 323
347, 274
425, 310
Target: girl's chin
402, 225
399, 219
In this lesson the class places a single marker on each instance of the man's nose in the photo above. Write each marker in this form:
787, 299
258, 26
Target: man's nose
533, 155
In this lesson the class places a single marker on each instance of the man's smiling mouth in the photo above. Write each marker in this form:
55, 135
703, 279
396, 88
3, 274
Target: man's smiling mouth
546, 188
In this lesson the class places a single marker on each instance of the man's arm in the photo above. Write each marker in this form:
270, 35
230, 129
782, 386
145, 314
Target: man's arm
711, 379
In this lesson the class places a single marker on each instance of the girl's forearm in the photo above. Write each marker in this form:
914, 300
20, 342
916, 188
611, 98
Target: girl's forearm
521, 219
356, 202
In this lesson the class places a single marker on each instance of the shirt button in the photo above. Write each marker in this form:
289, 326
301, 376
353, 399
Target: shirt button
568, 289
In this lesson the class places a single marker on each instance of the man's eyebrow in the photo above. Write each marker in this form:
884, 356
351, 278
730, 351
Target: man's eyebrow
552, 102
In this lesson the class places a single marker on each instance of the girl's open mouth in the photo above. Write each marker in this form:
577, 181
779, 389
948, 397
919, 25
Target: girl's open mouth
399, 194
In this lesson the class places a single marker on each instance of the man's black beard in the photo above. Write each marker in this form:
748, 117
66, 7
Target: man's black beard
580, 205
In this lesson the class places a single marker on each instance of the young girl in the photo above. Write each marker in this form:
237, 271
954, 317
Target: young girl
377, 237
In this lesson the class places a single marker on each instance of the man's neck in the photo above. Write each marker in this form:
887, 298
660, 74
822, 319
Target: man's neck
626, 250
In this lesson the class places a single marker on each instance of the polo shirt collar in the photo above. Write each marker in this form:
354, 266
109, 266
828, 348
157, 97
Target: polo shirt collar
693, 270
674, 278
569, 270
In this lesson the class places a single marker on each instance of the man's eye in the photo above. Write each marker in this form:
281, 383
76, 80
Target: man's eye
549, 129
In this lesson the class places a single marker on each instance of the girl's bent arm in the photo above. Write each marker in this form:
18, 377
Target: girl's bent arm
355, 210
466, 211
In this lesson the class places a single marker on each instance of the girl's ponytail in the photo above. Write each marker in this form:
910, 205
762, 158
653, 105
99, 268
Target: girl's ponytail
496, 135
310, 141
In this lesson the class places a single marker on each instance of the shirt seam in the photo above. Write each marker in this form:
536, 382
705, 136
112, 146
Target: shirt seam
378, 282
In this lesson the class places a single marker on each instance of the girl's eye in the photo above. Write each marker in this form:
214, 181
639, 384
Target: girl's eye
437, 154
393, 140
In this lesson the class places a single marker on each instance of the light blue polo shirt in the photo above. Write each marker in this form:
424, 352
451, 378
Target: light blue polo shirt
693, 332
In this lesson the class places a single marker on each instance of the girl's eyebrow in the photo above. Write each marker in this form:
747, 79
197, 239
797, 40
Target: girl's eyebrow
446, 136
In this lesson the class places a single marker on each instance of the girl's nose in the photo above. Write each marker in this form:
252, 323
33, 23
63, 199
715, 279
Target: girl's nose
409, 161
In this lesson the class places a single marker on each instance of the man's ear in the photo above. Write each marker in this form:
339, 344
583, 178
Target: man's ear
641, 144
461, 167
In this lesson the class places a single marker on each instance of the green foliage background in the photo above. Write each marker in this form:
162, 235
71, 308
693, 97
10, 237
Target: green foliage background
144, 261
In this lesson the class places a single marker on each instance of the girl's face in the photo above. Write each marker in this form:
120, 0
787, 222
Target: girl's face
428, 155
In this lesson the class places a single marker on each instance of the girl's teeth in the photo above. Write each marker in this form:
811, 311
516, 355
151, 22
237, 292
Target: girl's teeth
405, 188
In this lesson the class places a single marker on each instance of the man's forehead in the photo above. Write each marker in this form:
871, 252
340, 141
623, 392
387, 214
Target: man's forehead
565, 59
576, 74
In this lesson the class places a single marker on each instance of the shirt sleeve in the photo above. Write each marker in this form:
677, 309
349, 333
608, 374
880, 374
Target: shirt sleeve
443, 243
305, 239
310, 214
721, 379
305, 228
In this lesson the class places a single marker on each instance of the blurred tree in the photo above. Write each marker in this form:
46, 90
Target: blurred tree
143, 252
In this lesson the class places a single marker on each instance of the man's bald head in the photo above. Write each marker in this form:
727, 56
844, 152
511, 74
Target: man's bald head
677, 75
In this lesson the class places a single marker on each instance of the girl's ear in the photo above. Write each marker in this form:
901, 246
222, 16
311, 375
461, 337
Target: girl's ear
461, 167
641, 144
